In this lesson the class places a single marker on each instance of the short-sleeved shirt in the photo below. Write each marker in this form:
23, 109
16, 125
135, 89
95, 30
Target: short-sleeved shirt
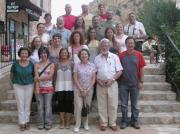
74, 52
65, 35
132, 63
121, 43
135, 29
22, 75
107, 68
88, 20
84, 73
69, 21
108, 23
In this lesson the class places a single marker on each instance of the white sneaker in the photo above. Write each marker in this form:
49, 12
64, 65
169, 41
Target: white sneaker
86, 127
76, 130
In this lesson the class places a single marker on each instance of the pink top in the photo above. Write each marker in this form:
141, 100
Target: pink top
69, 21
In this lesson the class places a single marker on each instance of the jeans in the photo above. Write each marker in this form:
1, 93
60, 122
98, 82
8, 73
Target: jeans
125, 90
44, 104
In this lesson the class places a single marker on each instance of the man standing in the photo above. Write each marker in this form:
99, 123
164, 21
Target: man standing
135, 29
69, 20
65, 33
42, 34
86, 15
110, 22
96, 25
131, 82
108, 70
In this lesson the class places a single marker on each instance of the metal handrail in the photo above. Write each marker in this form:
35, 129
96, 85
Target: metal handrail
168, 73
172, 43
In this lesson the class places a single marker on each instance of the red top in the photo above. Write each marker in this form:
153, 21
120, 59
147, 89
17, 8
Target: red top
103, 17
69, 21
132, 63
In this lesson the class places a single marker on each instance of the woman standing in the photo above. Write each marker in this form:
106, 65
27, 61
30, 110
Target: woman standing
55, 48
84, 74
76, 44
92, 43
35, 45
22, 78
44, 72
64, 89
80, 25
109, 34
48, 24
120, 37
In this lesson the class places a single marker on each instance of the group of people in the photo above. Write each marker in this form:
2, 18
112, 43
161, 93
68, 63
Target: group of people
72, 59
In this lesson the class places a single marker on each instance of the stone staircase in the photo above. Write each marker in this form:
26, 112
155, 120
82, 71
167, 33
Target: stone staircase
157, 103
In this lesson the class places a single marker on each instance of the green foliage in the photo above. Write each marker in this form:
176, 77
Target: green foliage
176, 38
159, 16
176, 35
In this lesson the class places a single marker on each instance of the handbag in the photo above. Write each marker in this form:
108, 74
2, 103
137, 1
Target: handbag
85, 109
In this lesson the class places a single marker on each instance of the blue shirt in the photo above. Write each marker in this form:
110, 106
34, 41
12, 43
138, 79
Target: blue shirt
65, 35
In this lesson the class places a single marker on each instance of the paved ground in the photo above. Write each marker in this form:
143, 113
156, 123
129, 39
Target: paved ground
149, 129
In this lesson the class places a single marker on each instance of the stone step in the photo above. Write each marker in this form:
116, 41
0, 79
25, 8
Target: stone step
154, 78
145, 106
152, 82
146, 57
145, 95
5, 70
157, 95
10, 95
154, 69
161, 86
149, 92
145, 118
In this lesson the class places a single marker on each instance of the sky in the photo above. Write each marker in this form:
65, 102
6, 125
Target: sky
57, 8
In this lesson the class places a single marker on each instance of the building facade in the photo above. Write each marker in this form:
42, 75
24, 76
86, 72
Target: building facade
17, 20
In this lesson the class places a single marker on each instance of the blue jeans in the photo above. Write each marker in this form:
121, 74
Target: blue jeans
125, 90
44, 104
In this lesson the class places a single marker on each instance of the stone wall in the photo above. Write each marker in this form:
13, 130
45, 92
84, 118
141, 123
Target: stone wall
2, 10
120, 7
4, 87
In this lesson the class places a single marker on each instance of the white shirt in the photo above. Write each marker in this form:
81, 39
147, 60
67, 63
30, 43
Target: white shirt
136, 29
34, 58
121, 43
107, 68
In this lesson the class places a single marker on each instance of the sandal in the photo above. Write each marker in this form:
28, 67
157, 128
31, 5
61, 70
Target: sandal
114, 128
27, 126
21, 127
103, 128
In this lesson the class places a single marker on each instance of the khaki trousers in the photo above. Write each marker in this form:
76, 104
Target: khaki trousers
107, 99
78, 103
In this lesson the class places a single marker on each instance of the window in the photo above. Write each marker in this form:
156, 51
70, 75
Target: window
1, 26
